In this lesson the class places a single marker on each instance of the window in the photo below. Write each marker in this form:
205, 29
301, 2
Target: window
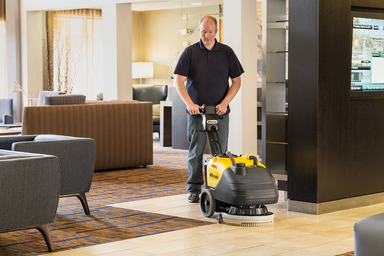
75, 51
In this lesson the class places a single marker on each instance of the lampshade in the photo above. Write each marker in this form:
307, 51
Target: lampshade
142, 70
16, 88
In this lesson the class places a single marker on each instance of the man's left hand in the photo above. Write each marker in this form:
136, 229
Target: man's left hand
221, 109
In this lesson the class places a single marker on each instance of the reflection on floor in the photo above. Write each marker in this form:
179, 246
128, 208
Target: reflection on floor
292, 233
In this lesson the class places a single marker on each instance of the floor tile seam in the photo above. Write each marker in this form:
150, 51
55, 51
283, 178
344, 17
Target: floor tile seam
300, 248
128, 252
178, 249
263, 245
154, 212
145, 244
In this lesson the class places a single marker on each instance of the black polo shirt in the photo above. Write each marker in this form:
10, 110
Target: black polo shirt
208, 72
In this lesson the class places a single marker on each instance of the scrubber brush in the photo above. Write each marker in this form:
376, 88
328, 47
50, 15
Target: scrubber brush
247, 221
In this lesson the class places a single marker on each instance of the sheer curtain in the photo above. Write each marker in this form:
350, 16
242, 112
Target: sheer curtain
75, 51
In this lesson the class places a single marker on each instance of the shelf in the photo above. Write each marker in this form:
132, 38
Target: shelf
277, 26
278, 52
269, 82
276, 142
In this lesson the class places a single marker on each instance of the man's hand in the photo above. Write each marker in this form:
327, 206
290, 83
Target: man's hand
221, 109
194, 109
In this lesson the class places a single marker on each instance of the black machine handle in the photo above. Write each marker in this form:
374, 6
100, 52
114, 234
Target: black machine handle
210, 124
255, 160
229, 154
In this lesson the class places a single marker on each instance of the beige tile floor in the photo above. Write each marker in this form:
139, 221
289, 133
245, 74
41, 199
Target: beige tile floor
292, 233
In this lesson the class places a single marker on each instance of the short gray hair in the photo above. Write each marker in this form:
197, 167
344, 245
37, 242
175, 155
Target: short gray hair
208, 17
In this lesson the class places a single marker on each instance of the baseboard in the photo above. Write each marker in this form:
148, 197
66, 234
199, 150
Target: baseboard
337, 205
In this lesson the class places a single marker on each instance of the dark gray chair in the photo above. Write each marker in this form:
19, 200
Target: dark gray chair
76, 159
154, 94
6, 111
29, 192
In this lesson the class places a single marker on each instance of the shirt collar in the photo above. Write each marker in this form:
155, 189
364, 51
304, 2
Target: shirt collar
215, 47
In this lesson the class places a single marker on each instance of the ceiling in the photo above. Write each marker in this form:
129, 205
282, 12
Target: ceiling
172, 4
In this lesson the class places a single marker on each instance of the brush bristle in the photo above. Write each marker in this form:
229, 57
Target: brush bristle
247, 221
251, 224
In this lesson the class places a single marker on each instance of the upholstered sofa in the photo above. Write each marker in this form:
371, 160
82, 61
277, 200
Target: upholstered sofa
29, 192
76, 159
122, 130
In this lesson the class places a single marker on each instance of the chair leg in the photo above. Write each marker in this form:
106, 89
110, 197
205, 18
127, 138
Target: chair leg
84, 202
47, 236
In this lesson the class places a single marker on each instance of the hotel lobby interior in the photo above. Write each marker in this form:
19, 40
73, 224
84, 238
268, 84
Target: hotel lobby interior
321, 141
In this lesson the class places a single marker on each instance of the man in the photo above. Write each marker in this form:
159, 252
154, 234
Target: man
206, 66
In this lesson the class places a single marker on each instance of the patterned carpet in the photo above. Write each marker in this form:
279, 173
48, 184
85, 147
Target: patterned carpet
73, 229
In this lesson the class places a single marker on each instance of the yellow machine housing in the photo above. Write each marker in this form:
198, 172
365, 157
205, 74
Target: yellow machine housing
216, 166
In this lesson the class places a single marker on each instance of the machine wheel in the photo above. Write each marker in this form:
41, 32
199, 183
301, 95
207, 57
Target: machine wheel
207, 203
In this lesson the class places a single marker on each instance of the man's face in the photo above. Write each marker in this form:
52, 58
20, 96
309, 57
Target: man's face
208, 33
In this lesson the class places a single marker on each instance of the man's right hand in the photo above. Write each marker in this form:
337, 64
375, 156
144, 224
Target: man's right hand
193, 109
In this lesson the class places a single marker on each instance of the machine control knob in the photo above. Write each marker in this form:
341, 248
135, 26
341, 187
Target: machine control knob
240, 169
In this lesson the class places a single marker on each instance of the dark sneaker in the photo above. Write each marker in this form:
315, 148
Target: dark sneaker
193, 198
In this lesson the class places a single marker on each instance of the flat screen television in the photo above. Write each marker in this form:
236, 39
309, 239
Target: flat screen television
367, 65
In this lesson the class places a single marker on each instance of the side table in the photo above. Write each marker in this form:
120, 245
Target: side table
12, 130
165, 123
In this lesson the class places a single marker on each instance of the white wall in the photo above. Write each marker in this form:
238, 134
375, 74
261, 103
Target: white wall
240, 33
2, 61
161, 41
13, 54
34, 55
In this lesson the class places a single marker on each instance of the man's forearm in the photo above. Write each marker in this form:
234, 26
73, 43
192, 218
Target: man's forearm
192, 108
235, 87
182, 91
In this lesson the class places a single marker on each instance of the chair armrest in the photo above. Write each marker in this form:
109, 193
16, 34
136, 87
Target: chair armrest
7, 141
29, 191
76, 159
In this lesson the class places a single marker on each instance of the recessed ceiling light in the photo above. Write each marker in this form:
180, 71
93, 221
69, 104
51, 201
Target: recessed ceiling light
196, 3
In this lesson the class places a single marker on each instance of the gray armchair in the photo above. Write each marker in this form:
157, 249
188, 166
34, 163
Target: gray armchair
76, 159
369, 235
6, 111
29, 192
154, 94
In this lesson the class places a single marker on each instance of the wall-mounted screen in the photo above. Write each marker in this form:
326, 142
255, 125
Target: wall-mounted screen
367, 73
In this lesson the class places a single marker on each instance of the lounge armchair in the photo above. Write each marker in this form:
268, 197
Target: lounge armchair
76, 159
369, 235
29, 192
154, 94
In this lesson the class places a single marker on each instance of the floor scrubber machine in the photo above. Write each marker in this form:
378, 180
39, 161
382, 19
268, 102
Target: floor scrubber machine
237, 187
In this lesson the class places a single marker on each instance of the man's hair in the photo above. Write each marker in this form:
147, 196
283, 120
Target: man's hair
208, 17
